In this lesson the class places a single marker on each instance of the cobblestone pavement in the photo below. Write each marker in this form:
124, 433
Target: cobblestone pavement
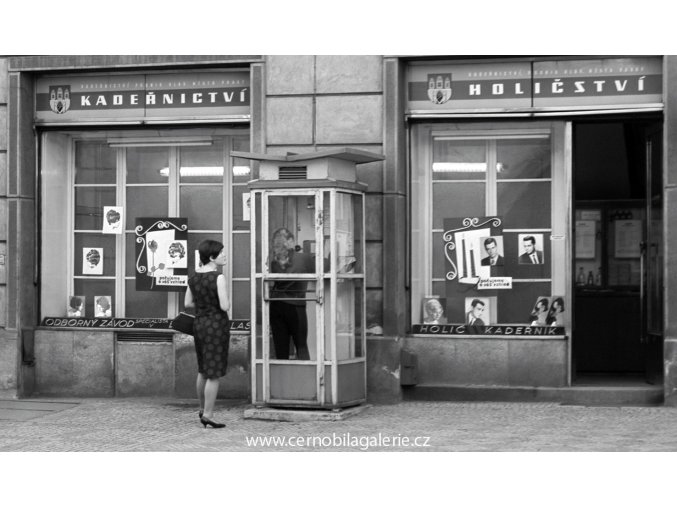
172, 425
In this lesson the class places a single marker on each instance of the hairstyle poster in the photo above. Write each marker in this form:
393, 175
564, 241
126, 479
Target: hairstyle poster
492, 255
92, 261
557, 316
540, 312
480, 311
433, 309
76, 306
102, 306
464, 247
112, 220
530, 248
161, 254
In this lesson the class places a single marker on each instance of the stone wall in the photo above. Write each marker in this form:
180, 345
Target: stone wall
72, 363
8, 339
670, 181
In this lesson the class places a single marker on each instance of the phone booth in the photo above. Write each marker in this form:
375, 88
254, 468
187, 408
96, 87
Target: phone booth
308, 290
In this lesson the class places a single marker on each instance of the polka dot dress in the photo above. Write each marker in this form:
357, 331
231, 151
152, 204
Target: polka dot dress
212, 326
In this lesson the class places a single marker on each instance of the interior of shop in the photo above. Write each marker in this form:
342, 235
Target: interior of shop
618, 261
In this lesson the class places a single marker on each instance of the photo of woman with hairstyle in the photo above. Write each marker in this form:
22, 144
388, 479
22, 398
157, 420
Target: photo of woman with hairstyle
102, 306
206, 293
112, 220
555, 313
92, 261
76, 306
539, 314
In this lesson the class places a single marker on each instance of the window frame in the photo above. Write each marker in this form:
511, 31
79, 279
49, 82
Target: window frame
121, 141
421, 231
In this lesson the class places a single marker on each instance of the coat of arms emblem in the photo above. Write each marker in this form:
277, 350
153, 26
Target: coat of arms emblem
439, 88
59, 98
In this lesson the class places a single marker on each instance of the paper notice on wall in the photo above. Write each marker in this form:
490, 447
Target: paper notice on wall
585, 239
627, 240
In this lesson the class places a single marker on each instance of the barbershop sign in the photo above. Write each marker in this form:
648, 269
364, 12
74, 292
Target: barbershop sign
502, 330
141, 97
530, 86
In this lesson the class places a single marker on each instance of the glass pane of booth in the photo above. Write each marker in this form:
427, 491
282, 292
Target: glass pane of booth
348, 219
348, 311
291, 225
293, 319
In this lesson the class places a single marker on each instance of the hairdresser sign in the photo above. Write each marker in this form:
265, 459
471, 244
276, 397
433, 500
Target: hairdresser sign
142, 97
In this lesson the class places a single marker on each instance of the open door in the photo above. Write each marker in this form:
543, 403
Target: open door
618, 296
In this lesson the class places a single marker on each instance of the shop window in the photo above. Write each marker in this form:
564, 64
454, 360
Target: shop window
171, 177
465, 173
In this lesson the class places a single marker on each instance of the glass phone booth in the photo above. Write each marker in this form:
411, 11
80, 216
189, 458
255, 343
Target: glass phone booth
308, 292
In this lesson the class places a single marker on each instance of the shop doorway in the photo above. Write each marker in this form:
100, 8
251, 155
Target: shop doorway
618, 251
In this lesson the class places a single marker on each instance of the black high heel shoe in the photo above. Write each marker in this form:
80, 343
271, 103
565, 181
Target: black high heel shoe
211, 423
199, 414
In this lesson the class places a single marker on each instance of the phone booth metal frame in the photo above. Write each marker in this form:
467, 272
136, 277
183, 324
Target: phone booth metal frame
321, 188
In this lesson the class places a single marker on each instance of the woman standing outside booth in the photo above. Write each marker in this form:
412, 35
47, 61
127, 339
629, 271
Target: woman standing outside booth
207, 293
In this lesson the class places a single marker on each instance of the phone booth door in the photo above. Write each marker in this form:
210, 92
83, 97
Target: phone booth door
292, 322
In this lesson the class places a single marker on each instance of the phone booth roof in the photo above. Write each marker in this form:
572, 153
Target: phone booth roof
338, 164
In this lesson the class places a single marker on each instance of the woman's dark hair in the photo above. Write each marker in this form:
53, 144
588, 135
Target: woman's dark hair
209, 248
560, 303
75, 302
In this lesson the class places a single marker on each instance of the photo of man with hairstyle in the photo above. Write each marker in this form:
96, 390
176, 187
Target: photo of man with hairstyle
473, 317
493, 258
531, 254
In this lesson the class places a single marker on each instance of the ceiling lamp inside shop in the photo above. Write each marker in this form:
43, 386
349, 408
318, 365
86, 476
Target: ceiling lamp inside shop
205, 172
464, 167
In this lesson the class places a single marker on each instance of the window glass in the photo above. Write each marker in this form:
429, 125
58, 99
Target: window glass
524, 204
148, 165
102, 262
146, 202
202, 164
95, 162
348, 227
457, 199
93, 290
523, 158
78, 260
203, 207
241, 205
440, 264
144, 304
241, 300
348, 319
89, 203
241, 254
459, 160
242, 172
291, 221
482, 175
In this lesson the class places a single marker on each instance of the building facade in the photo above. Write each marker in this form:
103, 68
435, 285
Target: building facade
517, 231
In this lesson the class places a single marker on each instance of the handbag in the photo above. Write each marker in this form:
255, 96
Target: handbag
183, 323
